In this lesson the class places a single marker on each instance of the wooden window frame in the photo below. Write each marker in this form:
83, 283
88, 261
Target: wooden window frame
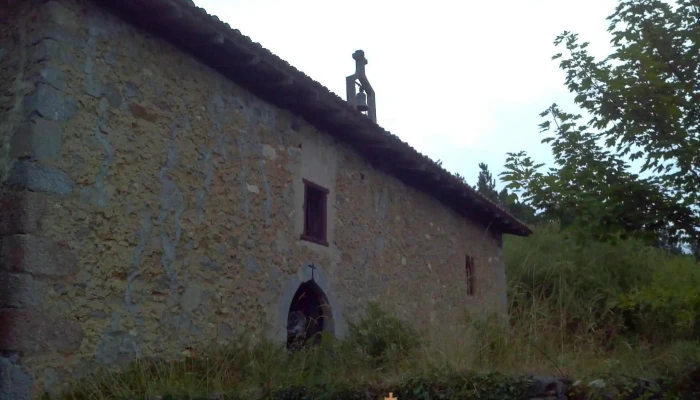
469, 269
323, 240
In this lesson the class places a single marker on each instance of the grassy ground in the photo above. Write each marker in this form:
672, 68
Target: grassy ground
602, 312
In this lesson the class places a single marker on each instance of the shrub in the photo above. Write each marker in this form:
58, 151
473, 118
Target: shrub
603, 290
668, 307
383, 337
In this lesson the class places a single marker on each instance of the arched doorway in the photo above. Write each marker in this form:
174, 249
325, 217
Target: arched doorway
309, 315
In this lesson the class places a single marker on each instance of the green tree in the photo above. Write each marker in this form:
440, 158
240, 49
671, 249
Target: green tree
642, 102
518, 209
485, 183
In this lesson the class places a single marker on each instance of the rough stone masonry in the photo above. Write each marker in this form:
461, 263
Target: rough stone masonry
151, 206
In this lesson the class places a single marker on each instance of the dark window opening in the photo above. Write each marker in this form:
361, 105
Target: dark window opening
498, 237
309, 316
469, 266
315, 220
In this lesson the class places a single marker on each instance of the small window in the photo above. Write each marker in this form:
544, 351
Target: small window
315, 219
469, 267
498, 237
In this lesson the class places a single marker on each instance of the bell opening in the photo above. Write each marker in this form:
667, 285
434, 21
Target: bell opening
361, 101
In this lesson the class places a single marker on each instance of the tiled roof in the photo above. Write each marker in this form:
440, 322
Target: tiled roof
260, 71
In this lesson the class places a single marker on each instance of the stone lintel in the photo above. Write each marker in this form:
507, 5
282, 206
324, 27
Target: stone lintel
20, 291
37, 139
21, 212
33, 332
38, 178
38, 256
15, 382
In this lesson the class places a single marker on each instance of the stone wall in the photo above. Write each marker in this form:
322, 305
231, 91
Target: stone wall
151, 206
32, 264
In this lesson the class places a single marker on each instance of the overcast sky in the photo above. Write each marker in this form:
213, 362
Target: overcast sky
460, 81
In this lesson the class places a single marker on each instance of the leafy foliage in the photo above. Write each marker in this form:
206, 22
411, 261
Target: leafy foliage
667, 307
622, 291
486, 185
383, 337
642, 103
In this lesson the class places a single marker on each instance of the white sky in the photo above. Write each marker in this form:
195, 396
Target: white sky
460, 81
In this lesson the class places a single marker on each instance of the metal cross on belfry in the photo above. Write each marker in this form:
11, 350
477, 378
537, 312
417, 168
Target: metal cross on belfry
313, 268
362, 100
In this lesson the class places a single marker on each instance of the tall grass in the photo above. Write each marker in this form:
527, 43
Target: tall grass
606, 310
625, 308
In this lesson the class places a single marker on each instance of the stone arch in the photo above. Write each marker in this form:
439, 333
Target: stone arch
316, 283
311, 304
